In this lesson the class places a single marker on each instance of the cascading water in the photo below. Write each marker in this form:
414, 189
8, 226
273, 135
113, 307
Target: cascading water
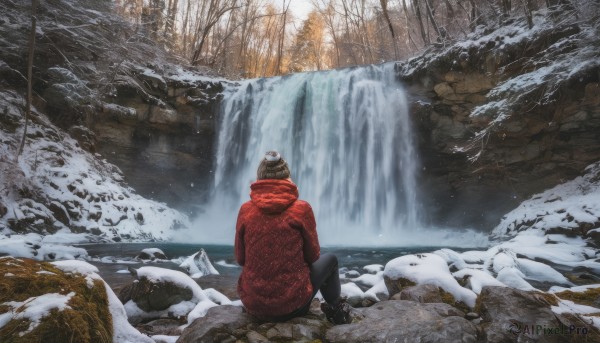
346, 136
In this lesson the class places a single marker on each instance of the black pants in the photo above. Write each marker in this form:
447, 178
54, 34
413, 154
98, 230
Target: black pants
324, 277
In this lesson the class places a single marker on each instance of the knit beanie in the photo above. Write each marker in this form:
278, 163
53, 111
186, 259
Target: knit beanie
272, 166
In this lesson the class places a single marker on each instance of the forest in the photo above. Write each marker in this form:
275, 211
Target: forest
261, 38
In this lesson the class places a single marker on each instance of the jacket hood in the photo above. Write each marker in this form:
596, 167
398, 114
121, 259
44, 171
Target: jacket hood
273, 196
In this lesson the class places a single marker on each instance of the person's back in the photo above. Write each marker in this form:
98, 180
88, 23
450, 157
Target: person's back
279, 244
276, 244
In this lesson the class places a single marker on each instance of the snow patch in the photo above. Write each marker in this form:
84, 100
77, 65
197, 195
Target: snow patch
428, 269
35, 309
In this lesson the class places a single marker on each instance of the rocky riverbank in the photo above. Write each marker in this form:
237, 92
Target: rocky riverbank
165, 305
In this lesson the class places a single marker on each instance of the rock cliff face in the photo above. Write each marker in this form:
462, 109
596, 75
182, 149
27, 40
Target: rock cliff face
504, 115
160, 132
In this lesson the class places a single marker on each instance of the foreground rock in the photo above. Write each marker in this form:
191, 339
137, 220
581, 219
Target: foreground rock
402, 321
512, 315
63, 301
76, 310
230, 324
385, 321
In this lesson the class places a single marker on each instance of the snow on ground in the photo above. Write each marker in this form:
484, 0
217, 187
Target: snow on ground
33, 245
567, 206
199, 311
164, 338
63, 188
576, 289
224, 263
191, 77
70, 191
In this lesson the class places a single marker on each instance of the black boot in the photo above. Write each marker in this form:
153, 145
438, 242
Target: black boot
338, 313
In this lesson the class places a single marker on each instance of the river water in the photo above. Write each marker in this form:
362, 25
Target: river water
122, 255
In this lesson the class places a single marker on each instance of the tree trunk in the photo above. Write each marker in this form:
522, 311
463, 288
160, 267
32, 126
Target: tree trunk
432, 19
281, 38
34, 4
417, 10
528, 8
390, 26
346, 19
410, 39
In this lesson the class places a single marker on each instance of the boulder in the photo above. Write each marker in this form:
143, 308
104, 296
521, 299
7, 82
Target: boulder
162, 326
420, 293
510, 315
230, 324
219, 324
399, 320
151, 254
150, 295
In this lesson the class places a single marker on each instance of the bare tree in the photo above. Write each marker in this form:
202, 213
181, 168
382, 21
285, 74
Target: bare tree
31, 46
386, 15
216, 10
282, 37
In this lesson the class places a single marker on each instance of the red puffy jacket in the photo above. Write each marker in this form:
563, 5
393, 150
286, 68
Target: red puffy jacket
275, 242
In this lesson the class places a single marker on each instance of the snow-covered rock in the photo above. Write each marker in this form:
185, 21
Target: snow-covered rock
65, 300
198, 265
160, 293
476, 279
353, 293
571, 208
151, 254
426, 269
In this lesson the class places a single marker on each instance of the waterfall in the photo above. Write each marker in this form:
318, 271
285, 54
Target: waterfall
347, 137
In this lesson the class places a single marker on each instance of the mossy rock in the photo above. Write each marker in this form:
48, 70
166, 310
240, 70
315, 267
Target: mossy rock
396, 285
86, 319
449, 299
589, 297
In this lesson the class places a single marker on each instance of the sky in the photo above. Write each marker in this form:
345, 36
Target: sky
299, 7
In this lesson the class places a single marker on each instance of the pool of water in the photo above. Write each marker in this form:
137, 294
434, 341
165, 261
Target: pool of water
114, 259
351, 258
